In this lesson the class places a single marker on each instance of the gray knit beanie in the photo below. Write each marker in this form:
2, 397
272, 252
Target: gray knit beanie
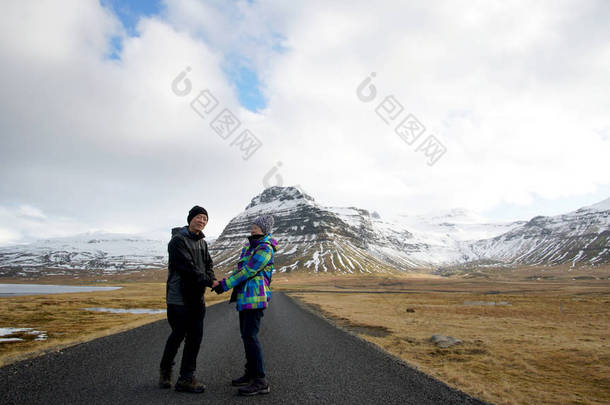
265, 222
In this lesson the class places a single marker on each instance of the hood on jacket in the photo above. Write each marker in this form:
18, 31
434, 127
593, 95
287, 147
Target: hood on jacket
184, 230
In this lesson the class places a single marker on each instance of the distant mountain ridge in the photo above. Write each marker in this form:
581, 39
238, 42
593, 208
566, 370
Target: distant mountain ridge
104, 251
317, 238
578, 237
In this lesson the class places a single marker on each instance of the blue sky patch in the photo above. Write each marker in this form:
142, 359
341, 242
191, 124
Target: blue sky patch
129, 13
247, 84
238, 73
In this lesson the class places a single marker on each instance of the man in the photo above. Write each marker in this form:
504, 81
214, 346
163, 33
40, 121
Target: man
251, 283
189, 272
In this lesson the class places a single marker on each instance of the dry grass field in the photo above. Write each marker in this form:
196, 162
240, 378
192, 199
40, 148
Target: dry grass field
529, 336
63, 318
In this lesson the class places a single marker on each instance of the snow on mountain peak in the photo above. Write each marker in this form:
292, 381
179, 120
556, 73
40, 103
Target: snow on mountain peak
457, 215
451, 216
600, 206
277, 197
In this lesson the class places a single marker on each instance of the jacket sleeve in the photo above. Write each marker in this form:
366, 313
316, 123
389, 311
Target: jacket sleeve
183, 263
258, 260
243, 258
209, 265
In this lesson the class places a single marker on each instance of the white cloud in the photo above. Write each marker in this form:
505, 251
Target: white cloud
8, 236
28, 211
514, 90
25, 223
107, 142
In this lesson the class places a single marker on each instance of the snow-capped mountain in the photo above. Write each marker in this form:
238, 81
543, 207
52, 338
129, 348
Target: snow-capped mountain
578, 237
317, 238
311, 237
95, 250
440, 239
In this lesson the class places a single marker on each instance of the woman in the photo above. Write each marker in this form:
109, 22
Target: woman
251, 289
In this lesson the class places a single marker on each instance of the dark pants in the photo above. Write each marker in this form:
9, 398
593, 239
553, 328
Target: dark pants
249, 325
186, 322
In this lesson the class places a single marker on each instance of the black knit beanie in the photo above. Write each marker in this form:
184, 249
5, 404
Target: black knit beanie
196, 210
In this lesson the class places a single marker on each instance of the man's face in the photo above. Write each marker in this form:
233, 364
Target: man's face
256, 230
198, 223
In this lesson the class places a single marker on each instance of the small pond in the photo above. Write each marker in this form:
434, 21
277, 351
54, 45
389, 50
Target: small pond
11, 290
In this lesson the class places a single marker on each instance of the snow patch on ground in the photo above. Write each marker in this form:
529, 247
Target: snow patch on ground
37, 334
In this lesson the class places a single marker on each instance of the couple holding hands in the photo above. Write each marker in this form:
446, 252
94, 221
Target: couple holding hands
190, 271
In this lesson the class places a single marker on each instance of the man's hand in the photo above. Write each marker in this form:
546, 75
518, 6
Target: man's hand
218, 288
215, 284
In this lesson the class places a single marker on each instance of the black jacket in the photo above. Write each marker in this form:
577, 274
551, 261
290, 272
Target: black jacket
190, 268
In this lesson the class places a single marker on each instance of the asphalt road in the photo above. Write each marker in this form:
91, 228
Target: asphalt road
308, 361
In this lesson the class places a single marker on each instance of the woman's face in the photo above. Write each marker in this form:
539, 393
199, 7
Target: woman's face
256, 230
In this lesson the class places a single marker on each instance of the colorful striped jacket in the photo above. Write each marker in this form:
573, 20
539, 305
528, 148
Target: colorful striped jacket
254, 293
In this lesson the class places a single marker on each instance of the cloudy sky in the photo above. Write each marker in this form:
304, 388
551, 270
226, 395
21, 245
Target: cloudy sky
500, 107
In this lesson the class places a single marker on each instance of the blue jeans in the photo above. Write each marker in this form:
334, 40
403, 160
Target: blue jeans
249, 325
186, 322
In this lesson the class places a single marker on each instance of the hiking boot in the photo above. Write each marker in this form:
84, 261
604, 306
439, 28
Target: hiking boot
165, 378
258, 386
242, 381
189, 385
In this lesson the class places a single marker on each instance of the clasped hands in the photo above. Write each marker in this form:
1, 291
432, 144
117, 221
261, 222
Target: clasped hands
217, 287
